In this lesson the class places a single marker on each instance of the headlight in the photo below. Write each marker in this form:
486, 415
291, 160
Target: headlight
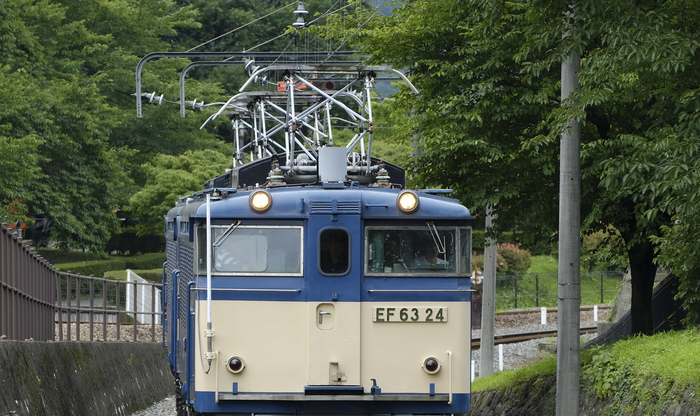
260, 201
235, 364
407, 202
431, 365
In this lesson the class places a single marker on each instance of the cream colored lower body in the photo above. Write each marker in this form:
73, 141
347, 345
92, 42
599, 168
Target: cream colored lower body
286, 346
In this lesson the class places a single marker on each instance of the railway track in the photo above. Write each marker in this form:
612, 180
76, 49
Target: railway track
520, 316
526, 336
549, 310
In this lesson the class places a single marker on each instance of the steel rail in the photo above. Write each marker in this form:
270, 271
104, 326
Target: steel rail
527, 336
549, 310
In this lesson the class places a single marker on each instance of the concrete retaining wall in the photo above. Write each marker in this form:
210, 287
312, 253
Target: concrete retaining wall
537, 396
81, 378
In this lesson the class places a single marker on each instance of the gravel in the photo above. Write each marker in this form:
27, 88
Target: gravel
163, 408
521, 354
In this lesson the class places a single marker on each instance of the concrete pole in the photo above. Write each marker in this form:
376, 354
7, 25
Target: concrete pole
568, 317
488, 300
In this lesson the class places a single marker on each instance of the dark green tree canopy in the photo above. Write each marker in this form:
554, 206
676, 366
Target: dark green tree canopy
490, 119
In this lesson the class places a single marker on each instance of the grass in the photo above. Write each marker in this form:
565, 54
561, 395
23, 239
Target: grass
670, 356
642, 372
504, 379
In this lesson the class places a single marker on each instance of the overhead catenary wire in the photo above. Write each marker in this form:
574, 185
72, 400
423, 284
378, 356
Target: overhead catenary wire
241, 27
325, 14
355, 32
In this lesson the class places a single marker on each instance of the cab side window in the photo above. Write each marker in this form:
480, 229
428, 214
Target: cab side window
334, 250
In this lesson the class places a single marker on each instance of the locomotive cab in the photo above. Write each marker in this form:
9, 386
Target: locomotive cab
330, 300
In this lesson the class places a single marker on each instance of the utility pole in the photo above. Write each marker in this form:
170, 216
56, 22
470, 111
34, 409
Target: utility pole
569, 304
488, 300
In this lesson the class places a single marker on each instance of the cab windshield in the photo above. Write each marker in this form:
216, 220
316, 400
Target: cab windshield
252, 250
418, 250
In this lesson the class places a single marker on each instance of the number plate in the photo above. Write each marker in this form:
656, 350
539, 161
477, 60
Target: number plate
408, 314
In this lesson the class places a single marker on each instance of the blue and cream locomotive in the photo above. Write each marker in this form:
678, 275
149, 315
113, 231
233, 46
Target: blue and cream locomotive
310, 281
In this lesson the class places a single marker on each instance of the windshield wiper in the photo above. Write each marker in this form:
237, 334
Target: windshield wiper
231, 228
439, 244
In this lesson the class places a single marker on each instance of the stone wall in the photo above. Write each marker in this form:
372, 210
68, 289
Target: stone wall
81, 378
538, 397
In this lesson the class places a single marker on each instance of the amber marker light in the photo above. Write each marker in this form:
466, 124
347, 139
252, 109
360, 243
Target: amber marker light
407, 202
431, 365
235, 364
260, 201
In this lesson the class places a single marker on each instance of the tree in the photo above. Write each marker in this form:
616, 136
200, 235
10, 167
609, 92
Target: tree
638, 72
490, 120
53, 65
474, 111
169, 178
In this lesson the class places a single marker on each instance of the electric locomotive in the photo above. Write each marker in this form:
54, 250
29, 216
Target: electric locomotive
310, 281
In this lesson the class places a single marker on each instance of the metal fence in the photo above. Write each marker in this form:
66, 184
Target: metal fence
38, 301
540, 290
27, 294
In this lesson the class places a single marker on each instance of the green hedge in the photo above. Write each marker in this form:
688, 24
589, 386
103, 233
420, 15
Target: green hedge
98, 268
145, 261
95, 267
61, 256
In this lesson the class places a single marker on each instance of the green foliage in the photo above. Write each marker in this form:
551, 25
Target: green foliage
504, 379
639, 375
603, 249
71, 256
92, 268
501, 264
490, 117
145, 261
518, 260
67, 67
509, 258
643, 372
639, 97
679, 249
170, 177
98, 268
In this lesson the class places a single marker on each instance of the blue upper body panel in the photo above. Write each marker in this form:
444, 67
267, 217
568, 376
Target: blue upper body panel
297, 203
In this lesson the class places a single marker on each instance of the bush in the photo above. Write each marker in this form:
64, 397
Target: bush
145, 261
518, 260
64, 256
99, 267
501, 265
96, 268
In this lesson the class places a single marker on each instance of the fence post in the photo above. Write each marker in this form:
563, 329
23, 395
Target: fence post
601, 287
119, 308
78, 287
537, 290
59, 303
92, 306
153, 310
104, 308
515, 279
69, 296
136, 308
